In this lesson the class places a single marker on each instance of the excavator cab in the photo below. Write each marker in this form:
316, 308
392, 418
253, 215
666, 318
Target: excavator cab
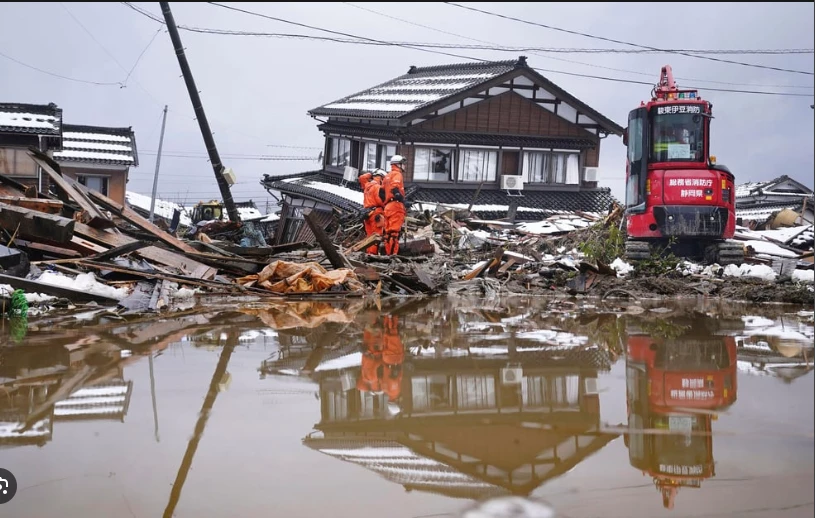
207, 211
676, 195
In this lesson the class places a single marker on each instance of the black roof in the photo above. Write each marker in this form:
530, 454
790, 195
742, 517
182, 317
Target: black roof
424, 87
547, 203
98, 145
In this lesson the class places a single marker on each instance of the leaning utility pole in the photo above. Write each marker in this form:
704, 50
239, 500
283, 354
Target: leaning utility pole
214, 158
158, 162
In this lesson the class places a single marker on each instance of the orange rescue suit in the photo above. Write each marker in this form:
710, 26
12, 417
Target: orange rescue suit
393, 356
394, 209
370, 378
372, 199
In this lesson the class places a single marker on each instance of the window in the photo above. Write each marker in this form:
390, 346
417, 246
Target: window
339, 153
677, 136
95, 183
477, 165
378, 156
553, 167
15, 162
433, 164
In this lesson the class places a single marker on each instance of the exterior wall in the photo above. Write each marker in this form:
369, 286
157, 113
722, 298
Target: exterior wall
508, 113
22, 142
117, 179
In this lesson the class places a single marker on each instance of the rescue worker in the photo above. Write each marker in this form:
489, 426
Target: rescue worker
374, 203
393, 356
394, 204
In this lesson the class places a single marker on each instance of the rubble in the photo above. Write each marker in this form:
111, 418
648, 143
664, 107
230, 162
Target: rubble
77, 247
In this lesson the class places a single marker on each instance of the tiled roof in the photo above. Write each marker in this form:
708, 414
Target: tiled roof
490, 204
94, 144
452, 137
109, 400
418, 88
37, 119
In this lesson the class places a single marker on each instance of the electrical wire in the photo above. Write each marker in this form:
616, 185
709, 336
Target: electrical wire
53, 74
537, 52
611, 40
414, 47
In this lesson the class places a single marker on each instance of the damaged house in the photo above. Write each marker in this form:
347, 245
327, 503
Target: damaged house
756, 202
99, 158
497, 137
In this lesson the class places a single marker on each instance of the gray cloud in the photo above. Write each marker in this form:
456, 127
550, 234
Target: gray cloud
256, 90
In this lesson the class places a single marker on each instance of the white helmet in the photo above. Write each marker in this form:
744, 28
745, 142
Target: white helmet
398, 159
379, 172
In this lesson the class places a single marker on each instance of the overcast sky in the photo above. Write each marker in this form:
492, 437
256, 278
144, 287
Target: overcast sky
256, 90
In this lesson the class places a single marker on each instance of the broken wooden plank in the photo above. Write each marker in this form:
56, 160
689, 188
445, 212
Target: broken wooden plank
512, 261
373, 239
367, 274
148, 275
334, 256
36, 225
476, 271
86, 246
416, 247
47, 249
117, 251
68, 191
38, 204
132, 217
496, 260
57, 291
264, 251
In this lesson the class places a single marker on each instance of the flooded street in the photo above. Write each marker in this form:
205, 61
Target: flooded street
426, 408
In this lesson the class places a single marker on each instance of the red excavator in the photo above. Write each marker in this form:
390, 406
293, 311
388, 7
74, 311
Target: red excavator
677, 197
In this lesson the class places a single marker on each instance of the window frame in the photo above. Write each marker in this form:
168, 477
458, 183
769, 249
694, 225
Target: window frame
18, 153
460, 164
432, 177
81, 178
550, 176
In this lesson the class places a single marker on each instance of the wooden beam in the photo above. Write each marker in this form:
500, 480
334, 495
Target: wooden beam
366, 242
131, 216
337, 260
91, 214
38, 204
117, 251
36, 225
47, 249
547, 101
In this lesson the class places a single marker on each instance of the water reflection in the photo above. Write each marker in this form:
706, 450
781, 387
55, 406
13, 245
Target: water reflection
674, 373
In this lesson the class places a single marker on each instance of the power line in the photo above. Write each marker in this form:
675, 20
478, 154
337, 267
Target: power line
578, 33
235, 157
414, 47
53, 74
536, 51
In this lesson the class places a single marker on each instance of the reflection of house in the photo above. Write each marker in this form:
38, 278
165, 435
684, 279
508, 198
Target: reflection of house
479, 133
468, 427
757, 201
98, 158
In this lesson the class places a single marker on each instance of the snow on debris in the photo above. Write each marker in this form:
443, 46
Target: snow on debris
343, 362
28, 120
249, 213
765, 247
163, 208
85, 282
760, 271
32, 298
342, 192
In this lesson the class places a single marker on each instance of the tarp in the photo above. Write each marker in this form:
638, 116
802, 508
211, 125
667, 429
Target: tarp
285, 277
310, 314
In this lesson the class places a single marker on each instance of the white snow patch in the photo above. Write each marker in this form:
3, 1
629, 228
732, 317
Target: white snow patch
85, 282
343, 192
806, 276
28, 120
80, 144
756, 321
760, 271
77, 135
32, 298
370, 106
621, 267
765, 247
269, 218
163, 208
343, 362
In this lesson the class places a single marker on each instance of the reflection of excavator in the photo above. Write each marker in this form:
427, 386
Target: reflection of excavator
667, 379
382, 357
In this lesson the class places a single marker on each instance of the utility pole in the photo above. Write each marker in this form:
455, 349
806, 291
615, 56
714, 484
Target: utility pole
206, 132
158, 162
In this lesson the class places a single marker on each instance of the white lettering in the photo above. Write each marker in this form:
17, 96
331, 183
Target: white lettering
680, 182
698, 193
672, 182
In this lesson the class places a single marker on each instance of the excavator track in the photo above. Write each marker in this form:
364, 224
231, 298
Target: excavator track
724, 253
637, 250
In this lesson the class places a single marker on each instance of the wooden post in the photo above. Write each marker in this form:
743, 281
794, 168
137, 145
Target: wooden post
337, 260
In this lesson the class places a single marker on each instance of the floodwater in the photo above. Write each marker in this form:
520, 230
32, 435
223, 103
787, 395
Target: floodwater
428, 408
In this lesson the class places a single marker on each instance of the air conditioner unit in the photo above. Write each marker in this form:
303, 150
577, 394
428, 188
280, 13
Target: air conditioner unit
350, 174
589, 174
512, 183
512, 375
229, 174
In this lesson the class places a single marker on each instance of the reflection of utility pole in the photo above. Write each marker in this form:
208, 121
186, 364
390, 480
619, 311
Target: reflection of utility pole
153, 393
209, 401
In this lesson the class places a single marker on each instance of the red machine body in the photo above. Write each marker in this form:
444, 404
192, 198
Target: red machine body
674, 188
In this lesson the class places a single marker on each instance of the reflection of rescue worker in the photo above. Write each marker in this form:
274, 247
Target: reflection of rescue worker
374, 204
394, 204
370, 378
393, 355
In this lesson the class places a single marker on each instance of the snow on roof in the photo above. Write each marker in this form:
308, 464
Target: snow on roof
746, 188
762, 213
163, 209
83, 144
10, 430
91, 155
249, 213
29, 120
270, 217
342, 192
84, 135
